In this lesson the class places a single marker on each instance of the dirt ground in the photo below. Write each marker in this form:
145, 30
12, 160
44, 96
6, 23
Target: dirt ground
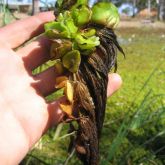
124, 23
140, 23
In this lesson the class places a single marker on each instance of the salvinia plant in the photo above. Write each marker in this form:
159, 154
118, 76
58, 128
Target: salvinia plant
84, 48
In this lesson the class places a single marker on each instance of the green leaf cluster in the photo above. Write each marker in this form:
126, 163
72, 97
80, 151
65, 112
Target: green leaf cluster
63, 27
68, 39
70, 29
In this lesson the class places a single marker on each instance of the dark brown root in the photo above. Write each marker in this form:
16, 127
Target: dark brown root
91, 94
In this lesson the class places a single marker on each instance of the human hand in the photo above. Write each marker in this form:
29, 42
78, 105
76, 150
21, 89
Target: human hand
24, 114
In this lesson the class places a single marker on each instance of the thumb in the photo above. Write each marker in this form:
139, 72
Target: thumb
114, 83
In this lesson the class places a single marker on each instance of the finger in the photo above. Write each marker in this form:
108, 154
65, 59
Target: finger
45, 81
42, 119
35, 53
55, 113
114, 83
20, 31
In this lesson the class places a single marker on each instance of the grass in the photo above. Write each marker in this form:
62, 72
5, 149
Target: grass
6, 16
135, 110
134, 130
134, 127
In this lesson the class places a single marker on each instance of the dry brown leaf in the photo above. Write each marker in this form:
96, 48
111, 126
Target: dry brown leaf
61, 81
67, 108
59, 69
68, 91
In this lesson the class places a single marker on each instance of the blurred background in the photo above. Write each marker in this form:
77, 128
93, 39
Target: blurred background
134, 127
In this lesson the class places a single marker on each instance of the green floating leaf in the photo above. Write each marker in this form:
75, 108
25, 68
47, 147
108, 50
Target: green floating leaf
105, 13
63, 27
88, 33
79, 3
81, 16
56, 30
53, 25
87, 43
69, 22
72, 60
59, 69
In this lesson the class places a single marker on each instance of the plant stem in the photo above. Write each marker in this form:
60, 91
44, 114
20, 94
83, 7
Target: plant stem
58, 131
66, 135
69, 157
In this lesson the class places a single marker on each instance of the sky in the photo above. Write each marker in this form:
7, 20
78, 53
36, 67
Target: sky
29, 1
45, 1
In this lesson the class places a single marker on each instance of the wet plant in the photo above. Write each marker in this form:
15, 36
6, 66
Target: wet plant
84, 49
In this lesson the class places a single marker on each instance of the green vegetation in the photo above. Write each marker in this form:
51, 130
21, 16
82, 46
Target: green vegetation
144, 140
134, 130
106, 14
6, 16
134, 127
